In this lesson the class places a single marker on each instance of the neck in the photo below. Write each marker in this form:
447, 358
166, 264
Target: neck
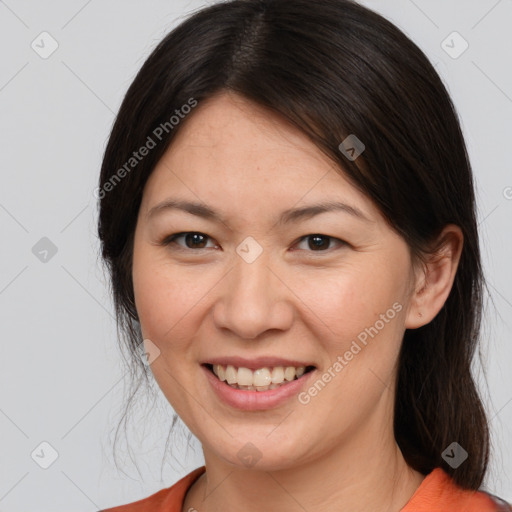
369, 473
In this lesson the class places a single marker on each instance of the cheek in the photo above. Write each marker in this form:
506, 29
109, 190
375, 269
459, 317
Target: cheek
363, 313
346, 301
156, 298
169, 298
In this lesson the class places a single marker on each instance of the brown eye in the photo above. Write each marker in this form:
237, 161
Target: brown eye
320, 243
193, 240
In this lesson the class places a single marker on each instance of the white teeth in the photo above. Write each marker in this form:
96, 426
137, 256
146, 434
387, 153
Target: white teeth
231, 373
244, 377
289, 373
221, 373
260, 379
277, 375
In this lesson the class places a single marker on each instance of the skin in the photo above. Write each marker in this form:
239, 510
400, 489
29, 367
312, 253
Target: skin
336, 452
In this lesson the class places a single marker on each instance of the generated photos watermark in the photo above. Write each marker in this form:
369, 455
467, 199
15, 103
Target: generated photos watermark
342, 360
151, 142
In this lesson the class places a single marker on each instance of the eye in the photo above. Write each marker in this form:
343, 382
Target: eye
197, 240
193, 240
319, 243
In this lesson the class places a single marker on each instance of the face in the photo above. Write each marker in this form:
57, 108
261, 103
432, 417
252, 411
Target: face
330, 290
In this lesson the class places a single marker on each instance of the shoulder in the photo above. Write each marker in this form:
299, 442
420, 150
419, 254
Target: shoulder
438, 492
165, 500
501, 505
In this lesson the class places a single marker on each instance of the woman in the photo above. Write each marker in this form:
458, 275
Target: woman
288, 216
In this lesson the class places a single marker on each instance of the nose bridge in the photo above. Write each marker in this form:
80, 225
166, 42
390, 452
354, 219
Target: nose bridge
253, 298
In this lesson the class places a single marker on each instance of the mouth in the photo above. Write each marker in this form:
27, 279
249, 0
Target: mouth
261, 379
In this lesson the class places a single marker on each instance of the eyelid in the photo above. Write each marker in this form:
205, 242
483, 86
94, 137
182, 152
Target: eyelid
170, 239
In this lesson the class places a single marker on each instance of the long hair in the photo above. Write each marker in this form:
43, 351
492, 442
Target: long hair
333, 68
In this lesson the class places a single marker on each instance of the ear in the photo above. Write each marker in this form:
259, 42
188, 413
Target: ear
435, 279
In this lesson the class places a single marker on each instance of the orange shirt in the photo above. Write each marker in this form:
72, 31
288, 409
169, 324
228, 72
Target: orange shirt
437, 493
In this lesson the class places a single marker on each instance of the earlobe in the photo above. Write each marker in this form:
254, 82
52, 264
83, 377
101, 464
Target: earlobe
435, 281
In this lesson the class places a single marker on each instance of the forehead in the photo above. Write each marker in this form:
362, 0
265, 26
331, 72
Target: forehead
232, 152
229, 125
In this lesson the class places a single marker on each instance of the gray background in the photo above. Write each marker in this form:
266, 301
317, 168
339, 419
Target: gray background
61, 376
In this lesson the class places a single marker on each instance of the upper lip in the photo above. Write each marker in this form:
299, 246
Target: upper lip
257, 362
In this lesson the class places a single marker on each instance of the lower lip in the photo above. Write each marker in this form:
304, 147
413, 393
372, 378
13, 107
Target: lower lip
256, 400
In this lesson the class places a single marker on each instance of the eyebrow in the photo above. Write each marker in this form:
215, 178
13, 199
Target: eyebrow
287, 217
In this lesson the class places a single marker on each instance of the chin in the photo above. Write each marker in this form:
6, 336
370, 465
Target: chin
260, 453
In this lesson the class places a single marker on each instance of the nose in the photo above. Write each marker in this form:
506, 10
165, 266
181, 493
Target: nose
253, 299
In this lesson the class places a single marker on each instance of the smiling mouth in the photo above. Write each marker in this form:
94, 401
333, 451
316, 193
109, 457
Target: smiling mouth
262, 379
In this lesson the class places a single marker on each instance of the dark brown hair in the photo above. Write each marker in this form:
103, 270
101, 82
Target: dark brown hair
333, 68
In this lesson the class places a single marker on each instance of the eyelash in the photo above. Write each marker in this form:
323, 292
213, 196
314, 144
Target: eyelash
170, 240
